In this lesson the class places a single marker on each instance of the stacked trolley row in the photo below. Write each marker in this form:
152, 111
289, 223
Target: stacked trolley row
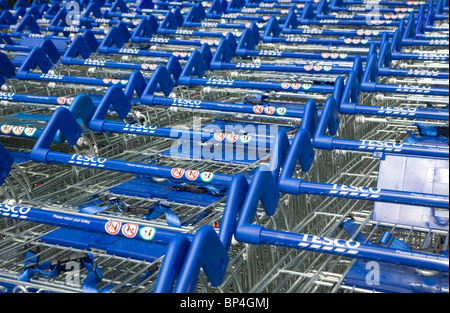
138, 142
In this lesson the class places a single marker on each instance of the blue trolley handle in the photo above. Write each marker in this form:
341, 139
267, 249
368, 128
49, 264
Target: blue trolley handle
196, 64
385, 60
301, 150
63, 120
161, 79
116, 99
119, 35
38, 58
81, 47
264, 188
369, 82
350, 105
329, 120
6, 162
204, 249
87, 222
225, 52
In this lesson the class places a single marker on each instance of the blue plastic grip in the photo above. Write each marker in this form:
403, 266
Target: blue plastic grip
6, 162
62, 120
262, 188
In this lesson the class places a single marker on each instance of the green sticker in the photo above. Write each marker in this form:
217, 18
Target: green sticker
207, 176
147, 233
281, 111
306, 86
29, 131
245, 138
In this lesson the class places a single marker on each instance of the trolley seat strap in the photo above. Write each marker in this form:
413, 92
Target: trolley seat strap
161, 208
351, 228
55, 267
387, 239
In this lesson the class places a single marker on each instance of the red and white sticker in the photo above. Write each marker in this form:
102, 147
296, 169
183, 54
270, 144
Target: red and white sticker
296, 86
115, 81
360, 32
113, 227
285, 85
107, 80
309, 67
6, 129
325, 55
69, 100
356, 40
18, 130
130, 230
258, 109
61, 100
177, 172
269, 110
219, 136
318, 67
368, 32
145, 66
192, 174
232, 137
334, 55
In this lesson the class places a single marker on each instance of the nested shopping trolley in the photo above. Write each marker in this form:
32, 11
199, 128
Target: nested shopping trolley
156, 214
326, 230
71, 197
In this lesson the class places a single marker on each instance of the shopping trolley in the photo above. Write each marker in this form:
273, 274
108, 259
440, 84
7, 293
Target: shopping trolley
386, 9
319, 273
218, 10
301, 272
27, 264
164, 280
245, 260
